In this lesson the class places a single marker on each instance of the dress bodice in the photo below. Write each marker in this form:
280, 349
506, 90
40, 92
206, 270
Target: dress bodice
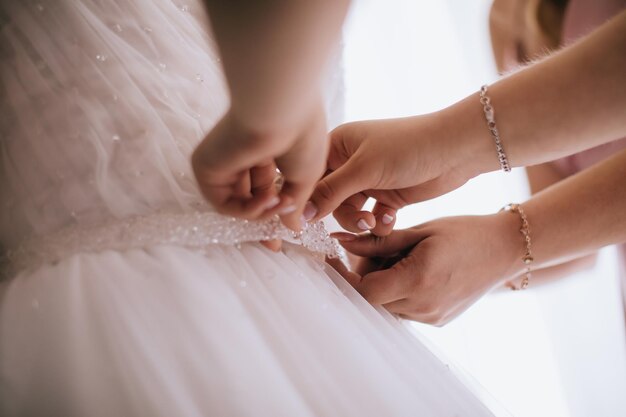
102, 104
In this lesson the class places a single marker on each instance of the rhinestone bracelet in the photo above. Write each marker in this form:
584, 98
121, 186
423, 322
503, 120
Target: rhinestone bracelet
528, 256
491, 124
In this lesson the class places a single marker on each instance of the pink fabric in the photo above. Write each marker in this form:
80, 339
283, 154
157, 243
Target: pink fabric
581, 17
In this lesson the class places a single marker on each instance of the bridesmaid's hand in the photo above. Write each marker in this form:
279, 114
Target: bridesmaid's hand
433, 272
397, 162
237, 168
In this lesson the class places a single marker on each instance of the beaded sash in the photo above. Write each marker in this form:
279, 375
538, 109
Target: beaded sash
198, 230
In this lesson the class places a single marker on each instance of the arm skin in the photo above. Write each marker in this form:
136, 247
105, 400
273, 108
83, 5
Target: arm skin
569, 102
521, 31
572, 101
541, 177
409, 271
273, 53
580, 214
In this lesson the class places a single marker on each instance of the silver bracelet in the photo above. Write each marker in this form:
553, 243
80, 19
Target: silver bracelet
491, 124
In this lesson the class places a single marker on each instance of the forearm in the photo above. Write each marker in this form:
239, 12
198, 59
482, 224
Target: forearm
273, 53
553, 273
566, 103
580, 214
541, 177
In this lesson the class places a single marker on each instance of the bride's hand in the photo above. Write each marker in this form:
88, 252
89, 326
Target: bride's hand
397, 162
236, 168
433, 272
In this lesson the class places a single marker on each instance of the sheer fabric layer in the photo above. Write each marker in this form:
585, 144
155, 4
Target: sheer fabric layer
238, 332
102, 104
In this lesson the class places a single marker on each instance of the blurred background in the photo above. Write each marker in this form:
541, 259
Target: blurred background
557, 350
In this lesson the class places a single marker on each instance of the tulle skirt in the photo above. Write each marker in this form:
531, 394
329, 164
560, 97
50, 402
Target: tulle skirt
170, 331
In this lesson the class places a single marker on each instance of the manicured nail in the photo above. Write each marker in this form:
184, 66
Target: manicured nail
363, 225
309, 211
344, 237
387, 218
271, 203
287, 210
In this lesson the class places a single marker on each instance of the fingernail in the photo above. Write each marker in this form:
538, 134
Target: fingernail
387, 218
309, 211
302, 222
363, 225
271, 203
287, 209
344, 237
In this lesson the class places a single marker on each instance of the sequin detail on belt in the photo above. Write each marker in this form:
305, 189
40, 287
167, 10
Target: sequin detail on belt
198, 230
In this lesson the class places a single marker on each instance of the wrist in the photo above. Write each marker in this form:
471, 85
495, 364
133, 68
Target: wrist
472, 148
267, 120
265, 140
510, 242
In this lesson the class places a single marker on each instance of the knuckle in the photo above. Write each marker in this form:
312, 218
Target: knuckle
382, 230
324, 190
398, 199
379, 243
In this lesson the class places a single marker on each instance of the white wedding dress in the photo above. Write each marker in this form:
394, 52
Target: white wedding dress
123, 293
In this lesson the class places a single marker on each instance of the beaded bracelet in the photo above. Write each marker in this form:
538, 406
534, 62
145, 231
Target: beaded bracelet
528, 257
491, 124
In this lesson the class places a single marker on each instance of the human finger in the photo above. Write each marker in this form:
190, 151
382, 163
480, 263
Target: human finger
369, 245
407, 310
424, 191
263, 178
349, 179
241, 187
383, 287
302, 167
275, 245
368, 265
351, 217
351, 277
385, 219
408, 306
250, 208
264, 185
229, 193
298, 193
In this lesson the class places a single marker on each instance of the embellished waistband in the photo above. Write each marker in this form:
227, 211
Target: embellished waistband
197, 230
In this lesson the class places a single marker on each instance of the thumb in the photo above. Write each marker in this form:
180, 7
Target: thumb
369, 245
297, 192
349, 179
385, 286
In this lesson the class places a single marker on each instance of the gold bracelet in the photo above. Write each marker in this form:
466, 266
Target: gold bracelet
493, 129
528, 257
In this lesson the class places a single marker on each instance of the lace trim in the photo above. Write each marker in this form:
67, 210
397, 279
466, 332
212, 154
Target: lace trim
193, 230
